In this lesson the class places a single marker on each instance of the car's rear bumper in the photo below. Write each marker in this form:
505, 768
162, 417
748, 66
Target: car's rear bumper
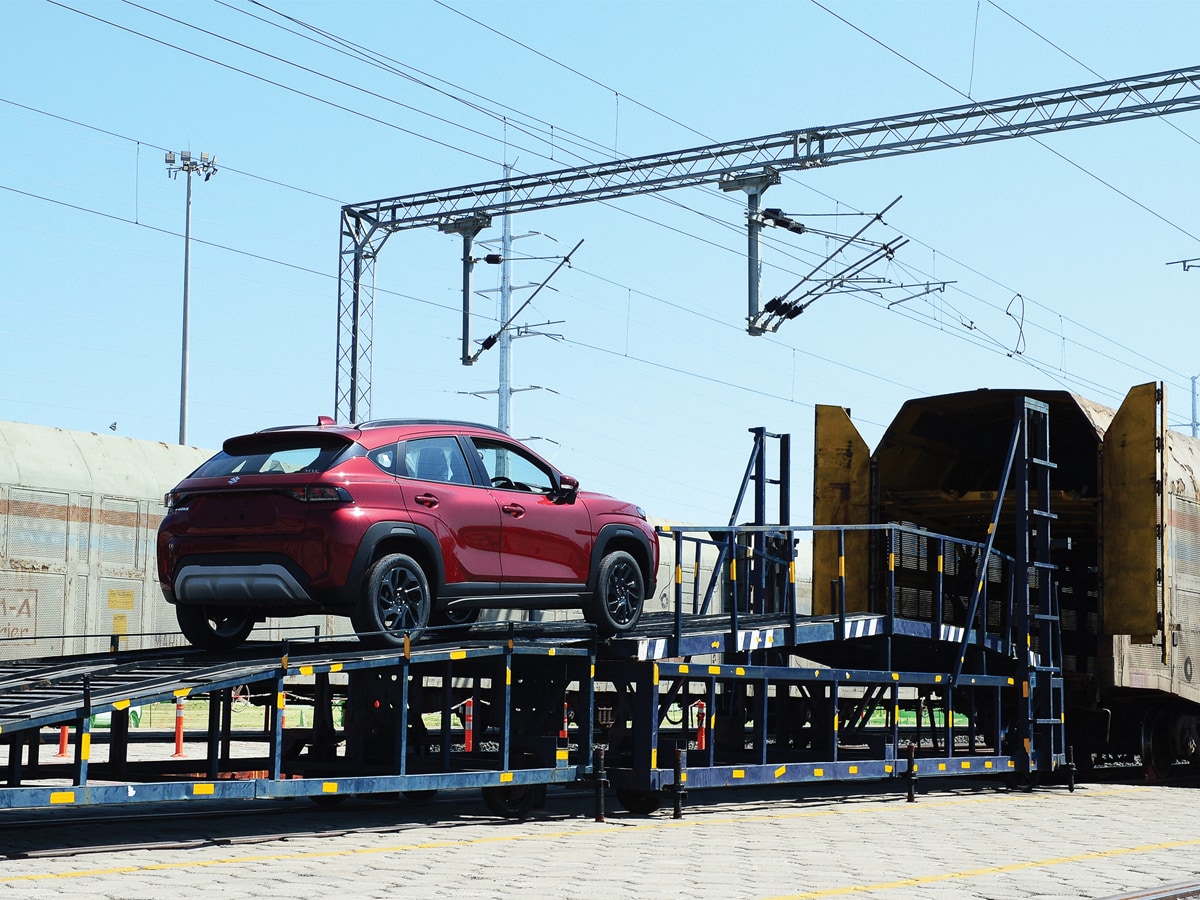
266, 585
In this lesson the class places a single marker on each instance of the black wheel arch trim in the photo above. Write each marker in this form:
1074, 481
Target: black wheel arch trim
381, 532
618, 532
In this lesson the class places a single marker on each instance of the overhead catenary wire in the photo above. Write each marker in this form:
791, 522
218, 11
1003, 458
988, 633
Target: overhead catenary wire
652, 220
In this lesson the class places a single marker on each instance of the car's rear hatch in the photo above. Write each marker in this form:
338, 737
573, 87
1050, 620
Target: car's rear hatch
263, 483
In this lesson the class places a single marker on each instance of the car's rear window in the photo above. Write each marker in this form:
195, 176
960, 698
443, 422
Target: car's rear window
274, 454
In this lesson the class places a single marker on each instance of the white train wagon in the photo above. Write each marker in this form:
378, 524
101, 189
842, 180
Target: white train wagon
78, 516
79, 513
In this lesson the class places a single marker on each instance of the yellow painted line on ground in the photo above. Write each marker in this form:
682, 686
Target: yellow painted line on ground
597, 830
989, 870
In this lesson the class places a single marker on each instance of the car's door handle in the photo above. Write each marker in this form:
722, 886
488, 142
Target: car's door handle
516, 510
429, 500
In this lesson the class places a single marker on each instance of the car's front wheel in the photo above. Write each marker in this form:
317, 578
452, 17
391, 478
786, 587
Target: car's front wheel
213, 627
620, 592
395, 601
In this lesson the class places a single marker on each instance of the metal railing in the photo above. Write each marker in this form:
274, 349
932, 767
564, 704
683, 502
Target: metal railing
918, 575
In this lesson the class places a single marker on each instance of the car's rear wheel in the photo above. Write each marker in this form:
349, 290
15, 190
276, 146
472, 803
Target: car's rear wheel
214, 627
620, 592
395, 601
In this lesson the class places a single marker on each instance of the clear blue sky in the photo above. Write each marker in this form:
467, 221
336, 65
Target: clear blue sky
655, 383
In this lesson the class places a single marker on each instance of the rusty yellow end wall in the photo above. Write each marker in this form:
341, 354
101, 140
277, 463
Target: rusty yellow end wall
1130, 556
841, 496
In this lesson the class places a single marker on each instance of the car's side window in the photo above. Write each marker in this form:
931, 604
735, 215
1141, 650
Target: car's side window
435, 459
507, 467
385, 458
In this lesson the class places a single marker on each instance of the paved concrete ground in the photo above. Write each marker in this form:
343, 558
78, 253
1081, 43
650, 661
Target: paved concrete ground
957, 841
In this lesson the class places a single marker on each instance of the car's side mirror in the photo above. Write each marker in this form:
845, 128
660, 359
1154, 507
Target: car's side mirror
568, 487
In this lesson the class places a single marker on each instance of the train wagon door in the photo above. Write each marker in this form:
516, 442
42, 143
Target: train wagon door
841, 496
1131, 557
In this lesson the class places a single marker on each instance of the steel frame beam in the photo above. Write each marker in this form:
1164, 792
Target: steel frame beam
365, 226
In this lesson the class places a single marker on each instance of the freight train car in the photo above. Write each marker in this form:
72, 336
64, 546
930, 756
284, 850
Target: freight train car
1125, 523
78, 516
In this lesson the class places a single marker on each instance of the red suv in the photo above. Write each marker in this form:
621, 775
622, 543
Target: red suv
398, 524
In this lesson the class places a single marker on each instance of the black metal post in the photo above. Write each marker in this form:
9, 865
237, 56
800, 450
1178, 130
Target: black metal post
601, 778
678, 789
911, 775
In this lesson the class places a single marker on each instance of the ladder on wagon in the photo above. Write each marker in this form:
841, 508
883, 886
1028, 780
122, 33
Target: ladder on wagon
1042, 723
1035, 629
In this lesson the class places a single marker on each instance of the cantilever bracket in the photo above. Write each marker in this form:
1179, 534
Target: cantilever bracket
468, 226
755, 185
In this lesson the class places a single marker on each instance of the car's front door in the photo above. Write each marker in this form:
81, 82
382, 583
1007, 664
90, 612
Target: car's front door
544, 540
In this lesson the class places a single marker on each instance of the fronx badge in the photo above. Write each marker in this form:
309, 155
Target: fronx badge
235, 479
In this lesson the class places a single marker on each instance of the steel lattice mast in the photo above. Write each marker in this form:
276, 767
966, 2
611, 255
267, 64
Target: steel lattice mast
750, 165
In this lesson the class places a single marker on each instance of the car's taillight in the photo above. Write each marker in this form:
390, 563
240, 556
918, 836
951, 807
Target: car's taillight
319, 493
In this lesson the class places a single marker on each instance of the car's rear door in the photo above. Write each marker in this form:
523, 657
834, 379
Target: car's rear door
440, 495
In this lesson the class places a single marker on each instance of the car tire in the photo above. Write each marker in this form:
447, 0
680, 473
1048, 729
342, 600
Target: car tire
640, 803
513, 801
616, 605
214, 627
395, 601
459, 618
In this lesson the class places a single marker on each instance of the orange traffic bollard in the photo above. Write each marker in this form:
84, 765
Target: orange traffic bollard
62, 743
178, 730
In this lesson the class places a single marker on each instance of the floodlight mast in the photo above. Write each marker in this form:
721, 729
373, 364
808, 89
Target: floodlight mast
367, 225
206, 166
